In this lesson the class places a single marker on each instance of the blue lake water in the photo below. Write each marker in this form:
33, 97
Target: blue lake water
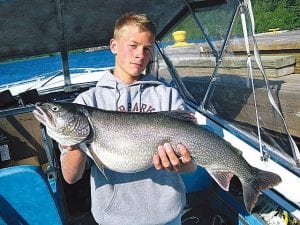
25, 69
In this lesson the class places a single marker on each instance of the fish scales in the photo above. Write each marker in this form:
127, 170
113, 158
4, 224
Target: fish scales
126, 142
135, 142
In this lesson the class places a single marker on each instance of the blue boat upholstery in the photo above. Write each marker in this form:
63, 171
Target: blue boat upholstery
26, 197
197, 181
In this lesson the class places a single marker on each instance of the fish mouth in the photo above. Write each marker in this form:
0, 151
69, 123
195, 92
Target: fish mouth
41, 115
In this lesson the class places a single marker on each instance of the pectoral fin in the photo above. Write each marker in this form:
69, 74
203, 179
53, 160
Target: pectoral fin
90, 152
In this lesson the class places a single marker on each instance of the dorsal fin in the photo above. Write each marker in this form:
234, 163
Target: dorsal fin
181, 115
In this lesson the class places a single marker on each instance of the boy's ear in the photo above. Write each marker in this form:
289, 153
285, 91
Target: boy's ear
113, 46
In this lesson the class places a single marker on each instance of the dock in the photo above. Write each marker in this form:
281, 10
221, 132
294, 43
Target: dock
279, 43
280, 55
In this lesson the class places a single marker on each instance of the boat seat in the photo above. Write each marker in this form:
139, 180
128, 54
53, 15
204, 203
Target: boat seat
26, 197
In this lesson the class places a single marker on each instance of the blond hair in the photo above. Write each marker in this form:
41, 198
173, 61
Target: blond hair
139, 20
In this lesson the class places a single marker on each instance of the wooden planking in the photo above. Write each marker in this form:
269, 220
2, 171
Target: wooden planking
295, 53
244, 72
236, 100
275, 66
269, 72
278, 43
269, 117
234, 62
282, 40
284, 43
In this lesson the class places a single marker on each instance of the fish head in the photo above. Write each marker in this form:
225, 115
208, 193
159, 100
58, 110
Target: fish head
66, 123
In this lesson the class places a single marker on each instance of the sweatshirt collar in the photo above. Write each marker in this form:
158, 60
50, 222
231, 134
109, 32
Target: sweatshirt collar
109, 80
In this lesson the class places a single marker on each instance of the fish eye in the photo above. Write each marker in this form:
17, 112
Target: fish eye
55, 108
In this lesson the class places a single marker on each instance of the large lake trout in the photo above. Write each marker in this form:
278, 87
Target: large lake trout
126, 142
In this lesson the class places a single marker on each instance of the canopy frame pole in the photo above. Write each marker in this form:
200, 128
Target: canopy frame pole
214, 51
173, 72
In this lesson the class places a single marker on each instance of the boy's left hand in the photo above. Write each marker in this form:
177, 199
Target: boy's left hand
168, 159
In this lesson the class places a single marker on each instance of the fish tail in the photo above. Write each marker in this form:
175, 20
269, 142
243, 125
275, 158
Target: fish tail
260, 181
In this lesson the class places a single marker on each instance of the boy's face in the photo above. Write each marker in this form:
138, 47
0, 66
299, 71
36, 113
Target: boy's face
133, 49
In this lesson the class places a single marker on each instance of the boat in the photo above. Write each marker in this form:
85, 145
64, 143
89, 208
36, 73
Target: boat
32, 190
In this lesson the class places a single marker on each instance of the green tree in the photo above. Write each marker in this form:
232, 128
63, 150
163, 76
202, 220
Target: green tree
268, 14
283, 14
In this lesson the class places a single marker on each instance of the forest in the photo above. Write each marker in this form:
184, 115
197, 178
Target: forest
283, 14
268, 14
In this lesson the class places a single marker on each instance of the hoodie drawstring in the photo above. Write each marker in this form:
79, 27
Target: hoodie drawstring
117, 96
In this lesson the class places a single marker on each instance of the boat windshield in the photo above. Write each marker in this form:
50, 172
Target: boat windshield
218, 76
46, 72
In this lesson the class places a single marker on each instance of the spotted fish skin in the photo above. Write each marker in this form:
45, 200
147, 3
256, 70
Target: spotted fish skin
127, 141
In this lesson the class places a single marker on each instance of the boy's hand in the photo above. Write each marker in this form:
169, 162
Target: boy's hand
167, 159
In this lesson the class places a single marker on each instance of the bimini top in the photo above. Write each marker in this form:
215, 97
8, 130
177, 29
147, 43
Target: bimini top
41, 26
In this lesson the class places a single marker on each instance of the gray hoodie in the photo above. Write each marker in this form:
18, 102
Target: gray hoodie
148, 197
